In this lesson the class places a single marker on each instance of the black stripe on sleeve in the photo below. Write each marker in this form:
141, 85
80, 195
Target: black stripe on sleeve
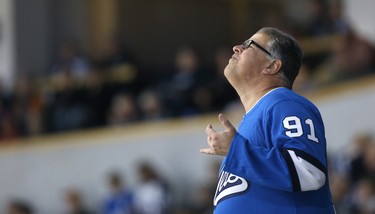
292, 170
311, 159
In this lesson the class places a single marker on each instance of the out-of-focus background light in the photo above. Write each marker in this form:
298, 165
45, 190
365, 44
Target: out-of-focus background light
107, 100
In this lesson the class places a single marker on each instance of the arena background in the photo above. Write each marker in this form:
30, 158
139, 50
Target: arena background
39, 168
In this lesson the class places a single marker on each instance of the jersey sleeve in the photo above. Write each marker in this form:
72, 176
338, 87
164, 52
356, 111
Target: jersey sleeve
292, 156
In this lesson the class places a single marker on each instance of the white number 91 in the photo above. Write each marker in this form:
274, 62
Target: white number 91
294, 126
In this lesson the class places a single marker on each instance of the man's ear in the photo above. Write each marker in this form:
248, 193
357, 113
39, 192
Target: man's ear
273, 68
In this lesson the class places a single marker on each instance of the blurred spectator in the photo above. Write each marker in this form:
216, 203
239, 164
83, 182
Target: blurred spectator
363, 161
114, 53
151, 105
70, 61
65, 109
74, 203
325, 20
340, 187
352, 57
362, 199
20, 103
352, 176
118, 66
359, 143
319, 22
96, 98
201, 200
221, 90
8, 127
27, 104
19, 207
123, 110
151, 195
203, 100
336, 13
187, 78
120, 199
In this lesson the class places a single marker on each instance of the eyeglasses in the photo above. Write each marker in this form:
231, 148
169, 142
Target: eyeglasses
250, 42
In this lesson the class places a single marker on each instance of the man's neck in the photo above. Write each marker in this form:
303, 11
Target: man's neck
251, 96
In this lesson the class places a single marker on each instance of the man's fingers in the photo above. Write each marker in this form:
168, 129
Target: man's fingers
209, 130
225, 122
211, 151
206, 151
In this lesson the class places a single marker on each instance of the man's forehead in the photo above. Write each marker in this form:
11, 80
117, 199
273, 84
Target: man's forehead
259, 38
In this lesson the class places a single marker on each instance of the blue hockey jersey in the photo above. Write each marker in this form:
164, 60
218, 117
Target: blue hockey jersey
277, 161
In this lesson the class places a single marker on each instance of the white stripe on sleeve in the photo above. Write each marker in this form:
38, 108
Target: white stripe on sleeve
310, 177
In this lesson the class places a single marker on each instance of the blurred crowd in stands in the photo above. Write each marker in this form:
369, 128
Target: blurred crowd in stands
79, 92
352, 182
152, 194
352, 176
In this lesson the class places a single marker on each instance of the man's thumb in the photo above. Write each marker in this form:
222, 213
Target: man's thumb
225, 122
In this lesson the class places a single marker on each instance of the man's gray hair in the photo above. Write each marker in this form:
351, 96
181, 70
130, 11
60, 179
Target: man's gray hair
286, 48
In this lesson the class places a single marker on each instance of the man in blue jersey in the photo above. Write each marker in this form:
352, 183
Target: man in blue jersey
276, 161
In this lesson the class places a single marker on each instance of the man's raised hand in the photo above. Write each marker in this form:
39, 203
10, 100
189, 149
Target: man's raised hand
219, 141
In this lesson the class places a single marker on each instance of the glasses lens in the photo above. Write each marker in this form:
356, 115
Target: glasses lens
246, 44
